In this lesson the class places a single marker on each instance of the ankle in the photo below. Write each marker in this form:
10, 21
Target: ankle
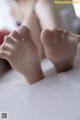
34, 75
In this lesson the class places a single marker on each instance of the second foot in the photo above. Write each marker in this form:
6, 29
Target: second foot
60, 48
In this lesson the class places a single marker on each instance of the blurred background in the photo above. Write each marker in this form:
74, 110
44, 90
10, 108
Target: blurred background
12, 15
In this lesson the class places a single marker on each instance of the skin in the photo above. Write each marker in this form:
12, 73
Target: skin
60, 48
22, 52
30, 20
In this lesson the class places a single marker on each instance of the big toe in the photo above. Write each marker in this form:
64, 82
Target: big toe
46, 37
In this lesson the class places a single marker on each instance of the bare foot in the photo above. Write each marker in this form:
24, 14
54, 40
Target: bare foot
60, 48
19, 49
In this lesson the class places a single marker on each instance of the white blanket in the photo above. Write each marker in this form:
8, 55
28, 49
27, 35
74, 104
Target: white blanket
57, 97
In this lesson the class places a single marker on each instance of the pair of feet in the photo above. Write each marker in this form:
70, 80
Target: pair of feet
21, 52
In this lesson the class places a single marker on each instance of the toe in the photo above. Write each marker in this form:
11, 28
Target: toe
24, 31
66, 35
60, 35
46, 37
17, 36
49, 37
53, 37
4, 54
57, 36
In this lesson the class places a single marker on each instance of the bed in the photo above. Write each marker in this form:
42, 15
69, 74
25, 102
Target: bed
57, 97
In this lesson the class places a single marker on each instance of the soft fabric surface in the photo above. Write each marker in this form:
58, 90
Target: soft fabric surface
57, 97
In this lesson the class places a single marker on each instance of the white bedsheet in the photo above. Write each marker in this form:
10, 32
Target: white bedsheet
57, 97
